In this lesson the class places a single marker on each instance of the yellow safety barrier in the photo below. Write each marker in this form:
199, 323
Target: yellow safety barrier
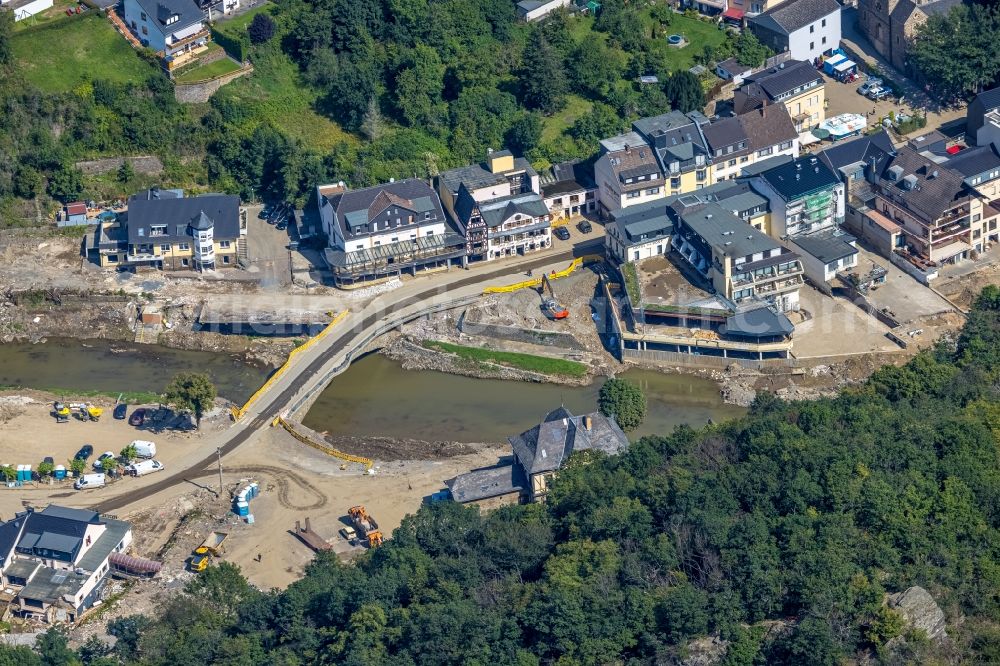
329, 450
239, 412
536, 282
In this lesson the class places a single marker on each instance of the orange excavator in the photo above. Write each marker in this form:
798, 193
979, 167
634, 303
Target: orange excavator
365, 526
552, 308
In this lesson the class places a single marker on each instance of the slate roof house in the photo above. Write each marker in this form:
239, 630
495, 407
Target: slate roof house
982, 118
383, 230
169, 27
166, 230
737, 142
538, 454
804, 28
58, 560
568, 189
794, 83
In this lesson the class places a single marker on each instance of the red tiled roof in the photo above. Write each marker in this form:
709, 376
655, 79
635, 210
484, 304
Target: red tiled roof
733, 13
883, 221
76, 208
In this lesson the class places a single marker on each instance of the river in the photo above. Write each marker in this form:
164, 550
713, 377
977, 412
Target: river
375, 396
110, 367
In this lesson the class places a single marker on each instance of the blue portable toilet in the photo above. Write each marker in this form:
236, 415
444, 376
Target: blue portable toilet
242, 509
60, 471
254, 489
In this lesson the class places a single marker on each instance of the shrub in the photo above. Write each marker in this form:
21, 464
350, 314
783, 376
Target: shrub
261, 28
624, 401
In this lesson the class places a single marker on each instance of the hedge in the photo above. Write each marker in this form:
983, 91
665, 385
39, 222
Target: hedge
235, 47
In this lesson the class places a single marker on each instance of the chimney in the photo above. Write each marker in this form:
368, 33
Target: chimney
587, 423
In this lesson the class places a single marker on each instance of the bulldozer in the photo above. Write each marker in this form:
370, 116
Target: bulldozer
552, 308
365, 526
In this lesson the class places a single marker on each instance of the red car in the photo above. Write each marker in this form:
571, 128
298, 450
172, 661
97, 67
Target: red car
138, 416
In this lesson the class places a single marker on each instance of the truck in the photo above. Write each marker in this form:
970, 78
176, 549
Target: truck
366, 527
144, 448
209, 548
144, 467
90, 481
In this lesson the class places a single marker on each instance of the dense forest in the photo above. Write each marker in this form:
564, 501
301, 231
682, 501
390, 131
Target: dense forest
778, 533
362, 91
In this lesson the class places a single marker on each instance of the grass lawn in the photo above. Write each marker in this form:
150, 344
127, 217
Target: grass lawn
529, 362
274, 93
59, 55
209, 71
697, 33
558, 123
237, 26
53, 13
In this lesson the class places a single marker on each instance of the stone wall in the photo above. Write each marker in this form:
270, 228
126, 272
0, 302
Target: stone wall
195, 93
555, 339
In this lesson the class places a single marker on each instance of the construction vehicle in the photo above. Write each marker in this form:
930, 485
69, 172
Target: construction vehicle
365, 525
62, 412
210, 547
550, 306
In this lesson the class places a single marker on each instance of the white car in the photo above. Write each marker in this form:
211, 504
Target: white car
99, 463
144, 467
89, 481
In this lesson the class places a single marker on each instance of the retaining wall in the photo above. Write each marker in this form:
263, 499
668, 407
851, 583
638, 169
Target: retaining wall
524, 335
196, 93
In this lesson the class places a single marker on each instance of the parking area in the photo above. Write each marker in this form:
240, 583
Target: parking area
836, 326
267, 250
844, 98
903, 297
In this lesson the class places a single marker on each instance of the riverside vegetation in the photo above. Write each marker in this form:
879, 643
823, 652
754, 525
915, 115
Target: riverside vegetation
779, 533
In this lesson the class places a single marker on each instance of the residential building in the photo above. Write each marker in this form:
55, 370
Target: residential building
807, 201
804, 28
742, 264
627, 173
568, 189
891, 25
982, 118
740, 9
169, 27
678, 141
23, 9
739, 141
213, 9
795, 84
166, 230
536, 10
73, 214
538, 454
980, 169
506, 226
501, 177
939, 215
732, 70
57, 560
380, 231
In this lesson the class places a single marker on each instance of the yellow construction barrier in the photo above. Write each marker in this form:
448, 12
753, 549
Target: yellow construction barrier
329, 450
238, 413
537, 282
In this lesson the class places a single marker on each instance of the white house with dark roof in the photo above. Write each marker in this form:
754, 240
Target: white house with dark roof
517, 224
58, 559
23, 9
569, 190
804, 28
383, 230
538, 454
169, 27
536, 10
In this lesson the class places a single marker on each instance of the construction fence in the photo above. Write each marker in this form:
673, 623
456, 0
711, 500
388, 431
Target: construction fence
537, 282
295, 431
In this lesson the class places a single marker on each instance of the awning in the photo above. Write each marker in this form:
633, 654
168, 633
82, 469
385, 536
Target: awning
845, 66
136, 565
806, 138
835, 60
733, 13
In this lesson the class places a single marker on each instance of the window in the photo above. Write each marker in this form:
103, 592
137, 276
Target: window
142, 15
165, 248
430, 233
732, 163
812, 29
224, 244
636, 257
653, 190
185, 262
824, 23
812, 45
395, 239
633, 195
225, 259
183, 246
976, 217
744, 159
112, 258
700, 174
765, 151
785, 145
824, 40
357, 230
145, 30
675, 181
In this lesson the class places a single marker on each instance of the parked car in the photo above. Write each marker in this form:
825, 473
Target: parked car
868, 85
90, 481
281, 226
584, 226
137, 418
878, 93
265, 212
120, 411
562, 233
144, 448
85, 452
107, 455
144, 467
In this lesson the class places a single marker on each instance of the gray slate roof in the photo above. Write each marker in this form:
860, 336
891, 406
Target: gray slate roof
863, 149
357, 208
758, 322
477, 176
548, 445
800, 177
651, 219
828, 246
721, 229
489, 482
161, 10
975, 161
794, 15
178, 214
938, 188
783, 78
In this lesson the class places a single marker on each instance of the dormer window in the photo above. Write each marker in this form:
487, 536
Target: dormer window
174, 18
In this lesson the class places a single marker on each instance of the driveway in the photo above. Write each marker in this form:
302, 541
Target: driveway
837, 327
905, 298
267, 250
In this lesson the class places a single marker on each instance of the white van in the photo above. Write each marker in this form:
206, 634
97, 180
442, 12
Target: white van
144, 467
144, 449
89, 481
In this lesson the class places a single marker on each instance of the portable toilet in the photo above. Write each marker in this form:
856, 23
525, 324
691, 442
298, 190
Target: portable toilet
23, 473
27, 473
254, 489
249, 519
60, 471
20, 472
242, 509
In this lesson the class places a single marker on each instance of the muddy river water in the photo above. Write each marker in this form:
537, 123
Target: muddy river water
375, 396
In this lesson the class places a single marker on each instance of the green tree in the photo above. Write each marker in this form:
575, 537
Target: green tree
419, 83
126, 172
191, 392
749, 50
543, 80
77, 466
53, 646
128, 454
6, 32
66, 183
45, 469
524, 134
222, 587
595, 68
27, 181
683, 89
624, 401
262, 28
599, 123
954, 68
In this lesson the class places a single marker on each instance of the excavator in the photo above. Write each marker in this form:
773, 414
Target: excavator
552, 308
365, 526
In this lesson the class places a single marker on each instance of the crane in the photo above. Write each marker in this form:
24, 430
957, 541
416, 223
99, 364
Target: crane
550, 306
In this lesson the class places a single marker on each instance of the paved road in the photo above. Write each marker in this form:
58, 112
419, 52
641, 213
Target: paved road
245, 430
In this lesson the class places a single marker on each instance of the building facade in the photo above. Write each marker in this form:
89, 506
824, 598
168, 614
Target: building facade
793, 83
890, 25
168, 27
740, 141
803, 28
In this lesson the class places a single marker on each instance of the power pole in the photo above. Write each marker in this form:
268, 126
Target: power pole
218, 452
